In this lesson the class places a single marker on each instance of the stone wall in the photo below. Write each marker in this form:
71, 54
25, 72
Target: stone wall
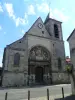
12, 75
14, 79
59, 78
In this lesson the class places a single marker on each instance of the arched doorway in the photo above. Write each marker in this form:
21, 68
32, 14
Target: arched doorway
39, 74
39, 65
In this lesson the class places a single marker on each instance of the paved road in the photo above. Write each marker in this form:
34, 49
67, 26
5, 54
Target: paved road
21, 94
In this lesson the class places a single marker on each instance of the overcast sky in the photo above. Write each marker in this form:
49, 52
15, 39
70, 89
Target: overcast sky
17, 16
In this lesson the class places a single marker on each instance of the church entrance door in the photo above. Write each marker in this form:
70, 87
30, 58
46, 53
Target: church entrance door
39, 74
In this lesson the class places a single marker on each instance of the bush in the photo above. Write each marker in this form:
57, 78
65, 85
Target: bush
69, 69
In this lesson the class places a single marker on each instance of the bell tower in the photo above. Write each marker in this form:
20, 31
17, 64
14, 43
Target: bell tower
54, 28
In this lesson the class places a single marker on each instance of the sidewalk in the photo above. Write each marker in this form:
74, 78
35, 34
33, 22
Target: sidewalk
37, 93
37, 86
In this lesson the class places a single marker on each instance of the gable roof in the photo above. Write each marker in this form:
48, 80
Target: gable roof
71, 35
33, 24
31, 27
36, 30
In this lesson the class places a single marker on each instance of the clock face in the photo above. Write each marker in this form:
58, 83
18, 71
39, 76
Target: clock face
40, 25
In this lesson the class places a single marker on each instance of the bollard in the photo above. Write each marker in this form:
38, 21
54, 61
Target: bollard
47, 94
28, 95
62, 92
6, 94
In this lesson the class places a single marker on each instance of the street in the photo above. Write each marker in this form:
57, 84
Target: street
37, 93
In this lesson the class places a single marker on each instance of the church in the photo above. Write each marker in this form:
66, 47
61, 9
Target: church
36, 58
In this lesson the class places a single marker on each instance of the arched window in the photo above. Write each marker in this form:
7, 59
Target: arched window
16, 59
59, 63
56, 31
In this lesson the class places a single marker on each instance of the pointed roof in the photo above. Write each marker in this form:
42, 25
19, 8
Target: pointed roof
48, 18
71, 35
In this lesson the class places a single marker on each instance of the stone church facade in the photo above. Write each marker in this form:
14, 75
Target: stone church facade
37, 58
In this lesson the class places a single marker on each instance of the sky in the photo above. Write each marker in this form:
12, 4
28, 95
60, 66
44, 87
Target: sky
17, 16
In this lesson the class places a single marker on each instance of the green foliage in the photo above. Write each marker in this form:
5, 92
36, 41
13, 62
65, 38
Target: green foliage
69, 69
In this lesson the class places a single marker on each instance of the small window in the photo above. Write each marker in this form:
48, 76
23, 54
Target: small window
16, 59
19, 41
59, 63
42, 32
56, 31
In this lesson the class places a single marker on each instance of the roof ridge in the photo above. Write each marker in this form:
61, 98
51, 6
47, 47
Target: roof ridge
71, 34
